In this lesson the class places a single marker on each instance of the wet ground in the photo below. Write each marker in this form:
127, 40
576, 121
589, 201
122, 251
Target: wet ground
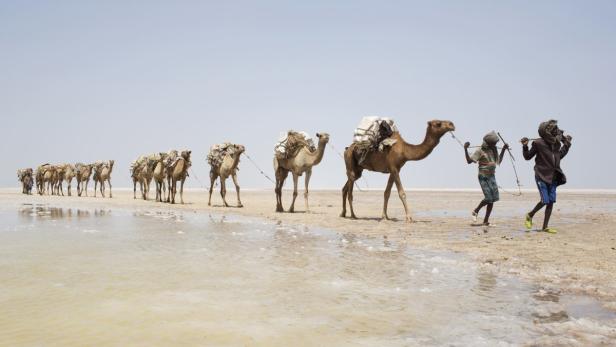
72, 276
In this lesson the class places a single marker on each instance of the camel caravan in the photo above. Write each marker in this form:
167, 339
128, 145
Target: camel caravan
377, 146
50, 178
166, 170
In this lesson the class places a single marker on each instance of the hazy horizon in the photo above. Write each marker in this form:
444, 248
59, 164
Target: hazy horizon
115, 80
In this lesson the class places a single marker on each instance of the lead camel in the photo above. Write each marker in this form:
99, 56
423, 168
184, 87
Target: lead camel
390, 161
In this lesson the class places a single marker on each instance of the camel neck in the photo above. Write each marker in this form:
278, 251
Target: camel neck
236, 159
318, 155
422, 150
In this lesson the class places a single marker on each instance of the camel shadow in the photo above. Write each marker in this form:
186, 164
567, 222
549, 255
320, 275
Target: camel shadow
230, 206
379, 219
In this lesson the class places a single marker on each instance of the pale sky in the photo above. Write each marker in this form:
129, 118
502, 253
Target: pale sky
90, 80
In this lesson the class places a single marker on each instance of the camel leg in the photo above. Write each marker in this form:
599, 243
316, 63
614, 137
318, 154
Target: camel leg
295, 179
350, 197
169, 189
401, 193
157, 187
134, 189
237, 190
306, 182
281, 176
387, 194
345, 191
172, 189
277, 192
68, 188
102, 188
223, 190
212, 181
164, 191
182, 189
109, 181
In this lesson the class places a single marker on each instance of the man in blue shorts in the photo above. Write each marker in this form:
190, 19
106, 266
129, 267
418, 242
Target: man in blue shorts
487, 158
548, 151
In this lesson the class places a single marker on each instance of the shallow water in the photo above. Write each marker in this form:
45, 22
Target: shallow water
70, 276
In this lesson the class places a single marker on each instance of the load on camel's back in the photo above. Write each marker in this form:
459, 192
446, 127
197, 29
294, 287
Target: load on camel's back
291, 142
219, 151
372, 134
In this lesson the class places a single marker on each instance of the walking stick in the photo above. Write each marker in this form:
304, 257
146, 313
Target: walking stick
504, 142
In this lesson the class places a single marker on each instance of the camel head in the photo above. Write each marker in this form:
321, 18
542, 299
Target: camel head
438, 128
111, 162
186, 155
239, 149
151, 163
323, 138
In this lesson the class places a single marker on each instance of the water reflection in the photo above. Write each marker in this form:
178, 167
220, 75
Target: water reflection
30, 211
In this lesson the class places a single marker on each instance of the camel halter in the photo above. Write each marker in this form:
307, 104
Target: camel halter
511, 159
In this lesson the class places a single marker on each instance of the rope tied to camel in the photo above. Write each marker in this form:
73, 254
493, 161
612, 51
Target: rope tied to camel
258, 168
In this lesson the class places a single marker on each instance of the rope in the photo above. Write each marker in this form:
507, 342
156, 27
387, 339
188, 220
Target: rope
462, 145
198, 180
258, 168
362, 177
511, 159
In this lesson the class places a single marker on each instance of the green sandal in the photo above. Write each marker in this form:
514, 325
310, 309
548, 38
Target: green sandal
550, 230
528, 223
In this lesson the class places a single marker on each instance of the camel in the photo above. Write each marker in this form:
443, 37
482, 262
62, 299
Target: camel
224, 168
135, 166
50, 176
102, 173
82, 174
144, 175
390, 161
25, 177
57, 179
159, 176
302, 162
38, 175
67, 175
177, 170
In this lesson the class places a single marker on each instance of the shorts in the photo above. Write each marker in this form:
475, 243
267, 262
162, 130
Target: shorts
489, 188
547, 191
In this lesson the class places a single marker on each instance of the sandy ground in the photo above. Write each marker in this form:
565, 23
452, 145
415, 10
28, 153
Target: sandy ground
581, 258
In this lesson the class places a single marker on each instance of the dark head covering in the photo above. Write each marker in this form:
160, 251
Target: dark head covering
489, 143
549, 131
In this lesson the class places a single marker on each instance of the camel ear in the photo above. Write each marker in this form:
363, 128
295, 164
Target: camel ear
318, 135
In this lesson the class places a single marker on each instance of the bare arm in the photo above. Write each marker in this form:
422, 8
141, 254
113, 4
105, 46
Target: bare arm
468, 157
502, 153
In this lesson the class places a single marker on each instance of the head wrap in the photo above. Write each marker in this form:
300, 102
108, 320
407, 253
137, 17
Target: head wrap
549, 131
489, 143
